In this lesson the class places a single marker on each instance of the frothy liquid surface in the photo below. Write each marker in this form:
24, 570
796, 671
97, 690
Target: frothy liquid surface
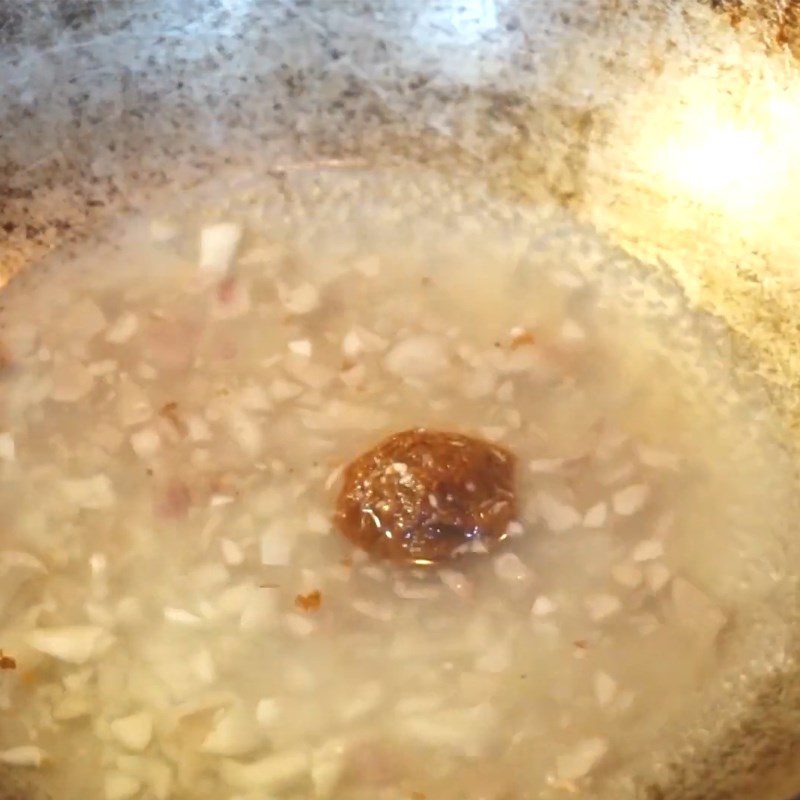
186, 623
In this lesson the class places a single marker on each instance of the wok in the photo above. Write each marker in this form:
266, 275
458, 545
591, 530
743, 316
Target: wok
670, 127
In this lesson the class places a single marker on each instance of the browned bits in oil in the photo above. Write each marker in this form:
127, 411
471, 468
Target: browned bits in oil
6, 662
422, 497
6, 359
309, 602
521, 338
170, 412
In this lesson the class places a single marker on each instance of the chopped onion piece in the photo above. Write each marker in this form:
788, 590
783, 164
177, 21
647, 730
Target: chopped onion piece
95, 493
198, 428
327, 767
210, 576
98, 563
505, 394
301, 347
133, 404
261, 610
208, 701
79, 680
467, 731
232, 552
19, 340
340, 415
596, 516
557, 515
17, 559
510, 567
268, 712
133, 732
119, 786
123, 329
352, 345
656, 576
130, 611
247, 433
85, 319
627, 574
182, 617
274, 773
546, 466
657, 459
354, 376
156, 774
648, 550
422, 356
281, 389
695, 611
495, 658
105, 367
72, 706
75, 644
457, 582
23, 756
572, 332
300, 300
202, 665
415, 591
218, 245
162, 230
645, 624
371, 341
605, 688
543, 606
378, 611
255, 398
300, 625
602, 606
569, 280
317, 523
368, 266
479, 383
72, 380
362, 701
7, 449
99, 614
145, 443
579, 761
310, 373
276, 546
234, 598
631, 499
417, 704
235, 733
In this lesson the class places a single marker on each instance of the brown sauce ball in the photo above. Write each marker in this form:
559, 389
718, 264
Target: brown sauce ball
423, 497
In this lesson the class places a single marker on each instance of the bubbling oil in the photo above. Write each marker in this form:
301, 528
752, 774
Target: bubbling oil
178, 407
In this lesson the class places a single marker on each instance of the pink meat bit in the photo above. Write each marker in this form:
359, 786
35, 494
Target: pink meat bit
226, 290
231, 299
173, 500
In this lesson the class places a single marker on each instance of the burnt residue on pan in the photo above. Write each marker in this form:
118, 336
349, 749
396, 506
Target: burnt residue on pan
778, 23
